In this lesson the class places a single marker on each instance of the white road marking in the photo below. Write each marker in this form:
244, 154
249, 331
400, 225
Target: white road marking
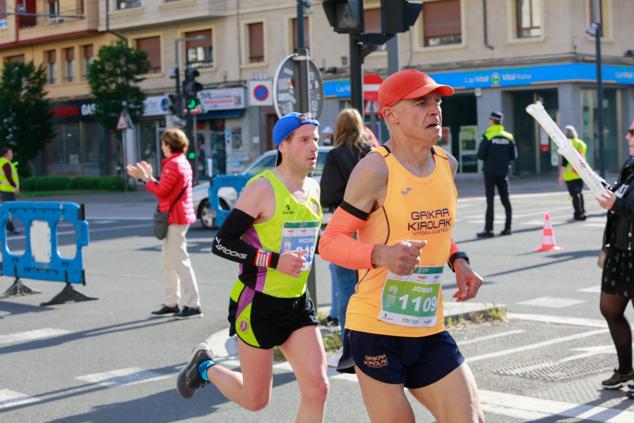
31, 335
489, 337
593, 289
129, 376
562, 320
528, 408
92, 230
536, 345
10, 398
551, 302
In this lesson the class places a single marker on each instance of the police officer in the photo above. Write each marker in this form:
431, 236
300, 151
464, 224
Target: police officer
9, 182
569, 175
497, 149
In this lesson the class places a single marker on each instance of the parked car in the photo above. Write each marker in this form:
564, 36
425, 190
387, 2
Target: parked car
228, 196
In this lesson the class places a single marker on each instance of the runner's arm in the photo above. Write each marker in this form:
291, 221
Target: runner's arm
228, 241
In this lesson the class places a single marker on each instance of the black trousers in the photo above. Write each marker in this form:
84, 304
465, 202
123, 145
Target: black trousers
575, 188
9, 196
502, 184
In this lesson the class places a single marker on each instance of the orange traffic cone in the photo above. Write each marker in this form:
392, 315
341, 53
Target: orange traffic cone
548, 236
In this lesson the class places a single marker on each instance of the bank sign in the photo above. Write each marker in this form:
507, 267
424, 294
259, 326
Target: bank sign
513, 77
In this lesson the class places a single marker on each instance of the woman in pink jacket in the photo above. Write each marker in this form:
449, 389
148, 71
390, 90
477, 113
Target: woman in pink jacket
174, 192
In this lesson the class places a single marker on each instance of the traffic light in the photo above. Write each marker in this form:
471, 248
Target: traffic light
174, 101
345, 16
191, 87
398, 15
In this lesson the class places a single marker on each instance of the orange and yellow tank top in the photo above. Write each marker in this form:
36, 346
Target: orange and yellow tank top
415, 208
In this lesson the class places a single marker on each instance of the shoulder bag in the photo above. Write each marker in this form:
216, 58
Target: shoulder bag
160, 218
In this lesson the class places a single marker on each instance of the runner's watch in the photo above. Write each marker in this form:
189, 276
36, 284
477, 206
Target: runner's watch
457, 255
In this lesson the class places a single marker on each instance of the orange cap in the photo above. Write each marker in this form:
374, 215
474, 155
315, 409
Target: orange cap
409, 83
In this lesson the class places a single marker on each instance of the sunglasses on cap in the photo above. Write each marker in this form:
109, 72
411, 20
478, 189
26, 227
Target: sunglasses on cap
305, 116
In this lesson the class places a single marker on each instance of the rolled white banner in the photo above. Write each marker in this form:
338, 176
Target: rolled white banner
596, 183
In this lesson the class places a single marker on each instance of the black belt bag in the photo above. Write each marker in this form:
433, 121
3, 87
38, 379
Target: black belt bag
160, 218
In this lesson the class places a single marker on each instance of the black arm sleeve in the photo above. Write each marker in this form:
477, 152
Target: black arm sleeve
228, 242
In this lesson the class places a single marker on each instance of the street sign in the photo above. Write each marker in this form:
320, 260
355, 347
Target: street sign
260, 93
371, 82
122, 123
286, 87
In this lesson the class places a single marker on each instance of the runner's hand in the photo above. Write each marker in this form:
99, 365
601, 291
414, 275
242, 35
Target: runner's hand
400, 258
607, 199
292, 262
468, 281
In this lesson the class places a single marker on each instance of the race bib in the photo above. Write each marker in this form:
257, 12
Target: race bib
621, 191
299, 236
412, 300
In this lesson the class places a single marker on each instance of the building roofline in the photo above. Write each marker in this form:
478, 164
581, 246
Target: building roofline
55, 37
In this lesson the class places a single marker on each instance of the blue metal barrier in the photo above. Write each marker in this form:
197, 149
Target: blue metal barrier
58, 269
236, 182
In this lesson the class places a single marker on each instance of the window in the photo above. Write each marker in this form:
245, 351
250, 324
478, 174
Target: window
528, 18
152, 46
294, 33
18, 58
27, 6
51, 68
69, 64
88, 58
441, 23
3, 17
126, 4
53, 8
199, 52
256, 42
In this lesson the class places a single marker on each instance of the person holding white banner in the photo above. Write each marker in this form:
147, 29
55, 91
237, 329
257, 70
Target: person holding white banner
617, 280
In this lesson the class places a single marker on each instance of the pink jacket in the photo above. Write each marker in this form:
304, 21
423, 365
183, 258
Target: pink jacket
176, 174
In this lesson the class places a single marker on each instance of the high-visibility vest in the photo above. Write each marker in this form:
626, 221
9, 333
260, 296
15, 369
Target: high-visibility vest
5, 186
569, 173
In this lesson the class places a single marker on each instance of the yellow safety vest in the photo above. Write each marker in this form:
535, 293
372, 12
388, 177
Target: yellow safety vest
570, 174
5, 186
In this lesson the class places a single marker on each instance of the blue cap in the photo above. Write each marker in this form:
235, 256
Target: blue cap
289, 123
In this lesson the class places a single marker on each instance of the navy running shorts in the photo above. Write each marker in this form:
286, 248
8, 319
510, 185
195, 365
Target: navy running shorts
263, 321
413, 362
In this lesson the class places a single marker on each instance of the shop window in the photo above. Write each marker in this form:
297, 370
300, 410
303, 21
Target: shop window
18, 58
69, 64
127, 4
51, 66
442, 23
528, 18
256, 42
88, 58
200, 52
294, 33
151, 46
604, 16
66, 147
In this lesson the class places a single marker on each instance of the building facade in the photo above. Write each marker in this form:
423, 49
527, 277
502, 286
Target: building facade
499, 55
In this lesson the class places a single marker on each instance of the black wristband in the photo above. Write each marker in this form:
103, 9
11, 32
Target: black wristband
458, 255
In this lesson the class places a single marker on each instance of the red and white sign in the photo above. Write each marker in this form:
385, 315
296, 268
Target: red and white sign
122, 123
371, 82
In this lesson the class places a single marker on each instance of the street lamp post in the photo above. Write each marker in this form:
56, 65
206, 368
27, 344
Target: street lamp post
595, 30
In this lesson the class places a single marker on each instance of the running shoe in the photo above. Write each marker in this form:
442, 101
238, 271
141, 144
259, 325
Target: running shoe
189, 312
189, 379
617, 380
165, 310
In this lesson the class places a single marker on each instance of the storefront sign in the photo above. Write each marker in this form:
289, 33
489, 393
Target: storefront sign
157, 105
222, 99
73, 110
512, 77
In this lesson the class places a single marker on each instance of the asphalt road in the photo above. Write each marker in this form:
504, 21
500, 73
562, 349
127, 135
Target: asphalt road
107, 360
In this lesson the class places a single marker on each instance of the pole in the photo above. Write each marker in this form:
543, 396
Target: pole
177, 78
125, 154
356, 77
304, 101
597, 38
393, 59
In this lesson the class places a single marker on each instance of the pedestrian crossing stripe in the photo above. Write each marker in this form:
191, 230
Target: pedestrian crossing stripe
551, 302
119, 377
32, 335
10, 398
